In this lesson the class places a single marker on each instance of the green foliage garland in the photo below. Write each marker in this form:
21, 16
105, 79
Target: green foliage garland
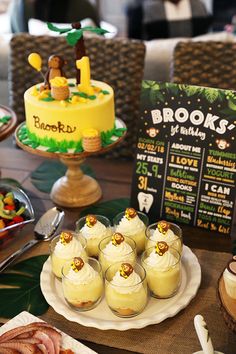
30, 139
152, 90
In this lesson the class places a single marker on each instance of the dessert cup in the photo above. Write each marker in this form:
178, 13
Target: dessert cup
62, 252
111, 252
126, 295
132, 226
229, 276
93, 233
201, 352
163, 271
82, 288
172, 236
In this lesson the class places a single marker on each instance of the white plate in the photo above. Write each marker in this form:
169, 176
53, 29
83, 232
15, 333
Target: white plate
102, 318
68, 342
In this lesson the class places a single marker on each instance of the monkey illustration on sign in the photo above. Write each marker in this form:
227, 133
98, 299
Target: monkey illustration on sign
152, 132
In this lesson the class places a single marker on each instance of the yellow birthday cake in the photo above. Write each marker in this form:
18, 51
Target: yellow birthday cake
67, 121
68, 115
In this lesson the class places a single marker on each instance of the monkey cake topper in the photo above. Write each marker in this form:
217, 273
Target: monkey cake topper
74, 37
55, 65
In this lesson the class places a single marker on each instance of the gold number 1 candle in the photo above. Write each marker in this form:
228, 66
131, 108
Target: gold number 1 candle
84, 66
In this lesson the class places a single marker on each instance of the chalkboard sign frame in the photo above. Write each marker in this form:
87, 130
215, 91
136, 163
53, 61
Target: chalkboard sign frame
185, 161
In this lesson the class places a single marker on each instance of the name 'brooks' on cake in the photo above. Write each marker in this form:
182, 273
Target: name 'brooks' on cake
69, 115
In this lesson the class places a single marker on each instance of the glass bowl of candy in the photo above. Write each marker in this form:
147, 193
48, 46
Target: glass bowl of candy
15, 211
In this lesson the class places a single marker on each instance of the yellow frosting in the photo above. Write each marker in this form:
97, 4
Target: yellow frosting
67, 121
90, 133
59, 81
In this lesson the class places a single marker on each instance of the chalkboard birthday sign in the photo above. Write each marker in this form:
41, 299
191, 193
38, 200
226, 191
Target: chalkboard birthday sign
185, 164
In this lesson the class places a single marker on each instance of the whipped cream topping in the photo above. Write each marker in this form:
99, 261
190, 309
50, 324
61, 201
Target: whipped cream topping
68, 250
156, 235
161, 263
96, 231
130, 227
116, 252
84, 276
126, 285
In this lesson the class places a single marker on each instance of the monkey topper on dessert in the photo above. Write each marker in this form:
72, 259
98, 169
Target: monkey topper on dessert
90, 220
161, 248
163, 226
117, 239
77, 264
126, 270
130, 213
66, 237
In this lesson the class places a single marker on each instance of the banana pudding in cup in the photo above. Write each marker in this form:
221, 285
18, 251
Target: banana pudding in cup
133, 224
64, 247
116, 248
82, 283
126, 289
164, 231
163, 268
93, 228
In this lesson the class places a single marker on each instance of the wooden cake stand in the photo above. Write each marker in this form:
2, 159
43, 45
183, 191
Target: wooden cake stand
7, 129
227, 305
75, 189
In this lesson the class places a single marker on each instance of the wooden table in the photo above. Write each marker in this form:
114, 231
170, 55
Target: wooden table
115, 179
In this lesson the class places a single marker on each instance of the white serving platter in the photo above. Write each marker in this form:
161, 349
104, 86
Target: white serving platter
25, 318
101, 317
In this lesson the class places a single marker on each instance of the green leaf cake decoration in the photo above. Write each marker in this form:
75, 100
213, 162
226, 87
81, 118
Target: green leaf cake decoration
74, 37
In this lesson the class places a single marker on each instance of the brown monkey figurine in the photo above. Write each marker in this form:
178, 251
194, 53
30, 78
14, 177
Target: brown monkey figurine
55, 64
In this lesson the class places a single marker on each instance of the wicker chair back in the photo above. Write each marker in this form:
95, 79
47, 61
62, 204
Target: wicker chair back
211, 64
